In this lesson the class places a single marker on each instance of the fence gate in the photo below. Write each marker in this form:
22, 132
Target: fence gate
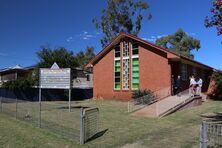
211, 134
89, 123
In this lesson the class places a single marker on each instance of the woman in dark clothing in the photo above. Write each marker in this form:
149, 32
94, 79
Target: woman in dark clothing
178, 85
173, 85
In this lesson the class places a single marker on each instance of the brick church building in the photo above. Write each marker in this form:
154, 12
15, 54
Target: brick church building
129, 63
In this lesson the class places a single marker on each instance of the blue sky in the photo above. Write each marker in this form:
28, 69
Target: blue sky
25, 25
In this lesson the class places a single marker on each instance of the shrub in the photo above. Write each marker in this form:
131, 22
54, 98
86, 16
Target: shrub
217, 87
21, 83
143, 96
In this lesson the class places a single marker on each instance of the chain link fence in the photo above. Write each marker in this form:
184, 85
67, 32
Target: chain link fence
211, 134
54, 116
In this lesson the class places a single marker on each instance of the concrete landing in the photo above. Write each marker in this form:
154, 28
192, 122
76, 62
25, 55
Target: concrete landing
163, 107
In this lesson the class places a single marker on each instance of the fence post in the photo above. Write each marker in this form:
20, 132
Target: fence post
16, 107
203, 135
82, 126
1, 103
70, 99
40, 99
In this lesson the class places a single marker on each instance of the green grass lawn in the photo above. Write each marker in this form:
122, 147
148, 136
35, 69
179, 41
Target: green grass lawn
177, 130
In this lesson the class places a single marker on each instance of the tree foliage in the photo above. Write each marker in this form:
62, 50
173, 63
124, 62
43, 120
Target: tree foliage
63, 57
215, 19
179, 42
83, 57
121, 16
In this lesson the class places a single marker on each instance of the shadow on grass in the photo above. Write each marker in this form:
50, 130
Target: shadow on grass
99, 134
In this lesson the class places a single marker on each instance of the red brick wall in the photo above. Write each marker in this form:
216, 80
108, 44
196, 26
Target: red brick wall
154, 74
103, 79
154, 69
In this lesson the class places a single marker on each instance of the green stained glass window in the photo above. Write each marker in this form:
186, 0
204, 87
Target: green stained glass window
135, 73
117, 74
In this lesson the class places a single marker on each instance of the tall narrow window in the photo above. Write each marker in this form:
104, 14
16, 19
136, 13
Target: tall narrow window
125, 74
135, 66
117, 74
135, 73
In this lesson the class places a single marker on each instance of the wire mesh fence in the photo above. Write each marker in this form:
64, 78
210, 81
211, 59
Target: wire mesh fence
54, 116
211, 134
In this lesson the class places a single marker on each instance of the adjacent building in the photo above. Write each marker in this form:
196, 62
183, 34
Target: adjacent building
129, 63
13, 73
81, 79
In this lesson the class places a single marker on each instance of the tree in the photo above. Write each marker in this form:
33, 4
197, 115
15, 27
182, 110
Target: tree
63, 57
84, 57
179, 42
121, 16
216, 16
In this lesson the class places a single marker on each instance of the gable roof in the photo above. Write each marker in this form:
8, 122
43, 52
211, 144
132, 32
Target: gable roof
123, 35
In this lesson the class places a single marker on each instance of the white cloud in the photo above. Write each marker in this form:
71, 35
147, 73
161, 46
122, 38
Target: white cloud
69, 39
85, 32
153, 38
85, 35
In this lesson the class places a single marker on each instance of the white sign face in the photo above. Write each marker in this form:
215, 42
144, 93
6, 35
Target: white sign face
55, 78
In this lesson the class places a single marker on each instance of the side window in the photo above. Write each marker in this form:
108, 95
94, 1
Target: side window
184, 72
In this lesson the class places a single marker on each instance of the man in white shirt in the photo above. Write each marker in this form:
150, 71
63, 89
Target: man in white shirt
199, 88
192, 82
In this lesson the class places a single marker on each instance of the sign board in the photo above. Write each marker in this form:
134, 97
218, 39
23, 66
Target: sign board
55, 77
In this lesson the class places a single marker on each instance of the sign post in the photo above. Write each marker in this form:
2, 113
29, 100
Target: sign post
56, 78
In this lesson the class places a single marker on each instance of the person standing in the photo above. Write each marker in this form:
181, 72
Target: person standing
191, 88
178, 85
199, 88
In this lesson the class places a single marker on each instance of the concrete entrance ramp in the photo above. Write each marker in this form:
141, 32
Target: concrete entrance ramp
165, 106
